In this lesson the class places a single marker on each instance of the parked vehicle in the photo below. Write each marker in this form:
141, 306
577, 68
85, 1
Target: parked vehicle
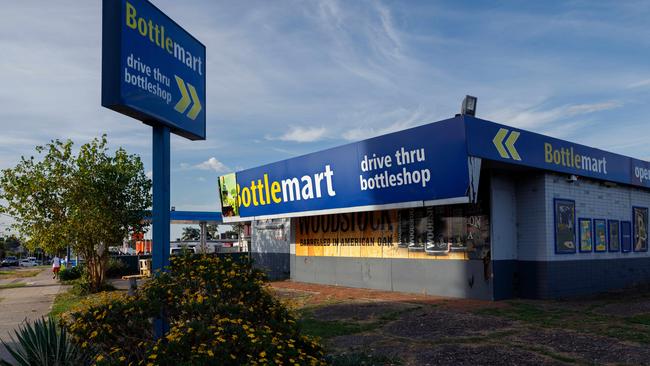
9, 261
27, 263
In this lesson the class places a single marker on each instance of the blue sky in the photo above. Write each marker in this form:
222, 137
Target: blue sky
291, 77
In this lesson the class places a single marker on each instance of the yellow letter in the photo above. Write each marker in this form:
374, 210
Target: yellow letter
246, 197
130, 16
275, 189
548, 152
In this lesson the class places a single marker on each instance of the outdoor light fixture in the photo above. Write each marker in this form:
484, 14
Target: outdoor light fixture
469, 106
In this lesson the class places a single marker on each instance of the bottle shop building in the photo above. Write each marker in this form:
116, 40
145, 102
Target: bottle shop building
462, 207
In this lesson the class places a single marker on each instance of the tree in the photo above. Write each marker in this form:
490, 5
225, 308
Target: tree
212, 231
190, 233
90, 200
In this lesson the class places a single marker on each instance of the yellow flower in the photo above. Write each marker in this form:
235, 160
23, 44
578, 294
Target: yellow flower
99, 358
262, 354
210, 353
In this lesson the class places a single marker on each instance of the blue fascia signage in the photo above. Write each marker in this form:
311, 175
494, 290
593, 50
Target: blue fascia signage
152, 69
510, 145
425, 163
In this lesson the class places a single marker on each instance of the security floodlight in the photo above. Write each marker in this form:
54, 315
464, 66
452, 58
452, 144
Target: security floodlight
469, 106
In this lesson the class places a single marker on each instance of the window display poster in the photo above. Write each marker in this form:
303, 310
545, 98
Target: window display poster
228, 195
442, 232
565, 234
626, 236
614, 238
600, 235
640, 217
586, 238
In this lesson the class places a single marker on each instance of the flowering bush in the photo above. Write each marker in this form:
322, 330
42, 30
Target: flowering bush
219, 313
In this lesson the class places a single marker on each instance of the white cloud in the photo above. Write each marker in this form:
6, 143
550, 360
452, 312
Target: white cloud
534, 117
397, 120
213, 164
640, 84
149, 174
301, 134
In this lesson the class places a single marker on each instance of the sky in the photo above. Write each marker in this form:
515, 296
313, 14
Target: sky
286, 78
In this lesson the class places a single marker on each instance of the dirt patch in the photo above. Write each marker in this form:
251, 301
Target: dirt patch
433, 324
625, 309
363, 310
319, 294
461, 355
356, 342
430, 330
589, 348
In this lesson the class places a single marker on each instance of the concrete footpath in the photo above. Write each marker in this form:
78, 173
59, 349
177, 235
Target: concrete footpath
25, 303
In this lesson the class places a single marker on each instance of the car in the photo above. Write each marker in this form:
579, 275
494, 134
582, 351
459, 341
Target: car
27, 263
9, 261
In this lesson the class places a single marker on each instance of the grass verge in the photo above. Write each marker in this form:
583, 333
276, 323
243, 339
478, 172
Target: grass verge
19, 274
554, 316
13, 285
63, 302
332, 328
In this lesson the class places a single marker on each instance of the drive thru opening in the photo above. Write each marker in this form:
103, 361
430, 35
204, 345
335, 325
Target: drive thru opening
482, 210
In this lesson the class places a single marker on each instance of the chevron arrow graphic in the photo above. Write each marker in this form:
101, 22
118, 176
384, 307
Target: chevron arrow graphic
187, 99
196, 108
184, 102
498, 142
510, 145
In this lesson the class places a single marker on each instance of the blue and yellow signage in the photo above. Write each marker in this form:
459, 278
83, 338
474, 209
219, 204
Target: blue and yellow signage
421, 164
426, 164
493, 141
152, 69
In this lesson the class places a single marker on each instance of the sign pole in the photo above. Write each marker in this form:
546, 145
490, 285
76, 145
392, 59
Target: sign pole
160, 216
161, 200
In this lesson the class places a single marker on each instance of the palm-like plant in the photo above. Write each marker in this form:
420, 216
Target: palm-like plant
43, 343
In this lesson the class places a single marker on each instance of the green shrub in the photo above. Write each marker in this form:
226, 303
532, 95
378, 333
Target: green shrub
82, 287
218, 310
42, 343
70, 273
115, 268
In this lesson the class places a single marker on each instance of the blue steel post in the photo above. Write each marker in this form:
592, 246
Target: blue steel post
161, 201
161, 204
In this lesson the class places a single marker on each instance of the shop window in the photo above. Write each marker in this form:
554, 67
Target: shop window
600, 235
640, 223
565, 233
586, 237
443, 229
613, 236
626, 236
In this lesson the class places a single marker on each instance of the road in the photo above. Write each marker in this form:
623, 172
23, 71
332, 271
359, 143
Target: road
25, 303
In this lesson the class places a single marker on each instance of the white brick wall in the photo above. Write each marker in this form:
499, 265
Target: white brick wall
593, 200
535, 192
531, 217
